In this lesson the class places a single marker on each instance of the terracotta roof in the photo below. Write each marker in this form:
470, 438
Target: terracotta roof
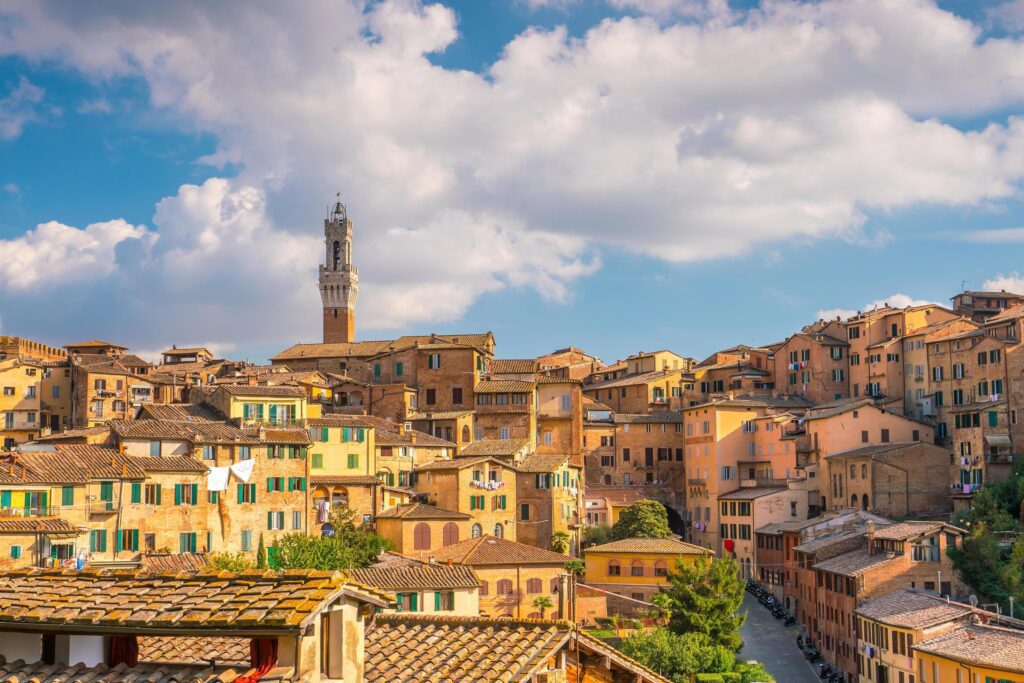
503, 386
193, 432
1011, 313
512, 366
853, 563
757, 402
159, 562
912, 610
626, 495
594, 644
419, 576
413, 648
752, 492
494, 447
659, 417
458, 463
262, 390
95, 343
865, 451
181, 463
33, 525
172, 601
904, 531
192, 650
74, 433
180, 412
384, 438
288, 435
421, 511
541, 462
38, 672
370, 348
336, 420
985, 646
488, 550
630, 380
344, 480
185, 351
73, 463
591, 404
649, 545
439, 415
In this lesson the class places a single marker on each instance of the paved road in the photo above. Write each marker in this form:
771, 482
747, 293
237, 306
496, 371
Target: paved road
769, 642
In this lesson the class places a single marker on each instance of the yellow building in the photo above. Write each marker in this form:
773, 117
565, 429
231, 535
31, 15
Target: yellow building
424, 587
416, 527
637, 567
972, 654
889, 627
20, 407
261, 404
549, 498
483, 488
342, 465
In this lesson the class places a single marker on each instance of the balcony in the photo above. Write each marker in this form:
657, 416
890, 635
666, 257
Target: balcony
697, 482
102, 508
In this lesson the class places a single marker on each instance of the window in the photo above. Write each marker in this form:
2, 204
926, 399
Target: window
186, 494
431, 397
98, 541
376, 369
421, 536
548, 438
434, 361
499, 531
296, 520
660, 568
152, 494
534, 586
637, 568
407, 602
837, 375
566, 402
476, 531
885, 436
614, 569
982, 358
399, 368
450, 534
187, 542
127, 539
209, 452
457, 395
244, 453
353, 461
524, 512
275, 521
15, 552
504, 587
318, 461
246, 540
247, 493
444, 601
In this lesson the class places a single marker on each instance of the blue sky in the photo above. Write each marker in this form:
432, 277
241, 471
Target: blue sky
502, 172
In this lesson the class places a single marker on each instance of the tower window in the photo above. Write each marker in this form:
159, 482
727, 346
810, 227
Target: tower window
337, 254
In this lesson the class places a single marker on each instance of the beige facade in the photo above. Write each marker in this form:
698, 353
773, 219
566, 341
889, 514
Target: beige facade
549, 497
748, 508
814, 365
482, 487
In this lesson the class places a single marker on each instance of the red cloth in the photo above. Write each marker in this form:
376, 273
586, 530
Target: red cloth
122, 650
729, 545
262, 658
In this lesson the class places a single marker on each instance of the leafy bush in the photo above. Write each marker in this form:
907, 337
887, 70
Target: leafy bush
232, 562
643, 519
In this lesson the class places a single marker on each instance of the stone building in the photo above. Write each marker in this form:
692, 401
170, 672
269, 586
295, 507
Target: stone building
549, 499
814, 364
482, 487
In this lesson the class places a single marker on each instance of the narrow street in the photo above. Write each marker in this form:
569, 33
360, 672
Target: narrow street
769, 642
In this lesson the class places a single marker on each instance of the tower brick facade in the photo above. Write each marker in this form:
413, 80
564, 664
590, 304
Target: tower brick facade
339, 279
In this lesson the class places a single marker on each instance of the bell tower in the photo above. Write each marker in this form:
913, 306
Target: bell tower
339, 279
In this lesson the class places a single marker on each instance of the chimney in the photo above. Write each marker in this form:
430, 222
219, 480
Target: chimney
412, 436
871, 537
401, 429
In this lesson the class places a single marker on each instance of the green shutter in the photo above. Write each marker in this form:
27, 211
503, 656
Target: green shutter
241, 493
67, 495
324, 435
252, 493
117, 541
318, 461
303, 451
302, 483
103, 541
398, 369
437, 601
270, 520
135, 539
106, 490
245, 411
5, 499
159, 493
346, 434
15, 552
136, 492
993, 419
259, 411
177, 494
414, 602
362, 434
270, 484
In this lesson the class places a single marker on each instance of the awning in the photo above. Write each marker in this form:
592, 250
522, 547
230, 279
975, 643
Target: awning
998, 440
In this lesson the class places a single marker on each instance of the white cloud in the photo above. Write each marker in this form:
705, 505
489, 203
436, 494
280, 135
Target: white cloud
893, 301
12, 188
99, 105
1009, 15
1011, 282
714, 136
19, 107
999, 236
54, 253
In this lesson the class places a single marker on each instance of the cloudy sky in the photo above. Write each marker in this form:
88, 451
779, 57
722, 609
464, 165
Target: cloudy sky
615, 174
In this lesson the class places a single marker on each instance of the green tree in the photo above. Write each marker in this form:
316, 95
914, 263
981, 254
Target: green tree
643, 519
704, 597
560, 542
351, 545
676, 656
232, 562
596, 535
575, 567
543, 603
261, 554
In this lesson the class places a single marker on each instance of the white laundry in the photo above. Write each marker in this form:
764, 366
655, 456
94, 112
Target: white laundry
243, 469
217, 479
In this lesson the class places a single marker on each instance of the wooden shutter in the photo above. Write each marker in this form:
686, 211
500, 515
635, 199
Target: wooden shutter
136, 492
177, 494
241, 493
195, 493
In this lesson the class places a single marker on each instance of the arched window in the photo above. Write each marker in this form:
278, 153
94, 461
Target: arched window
466, 436
337, 254
864, 471
476, 531
534, 586
505, 587
421, 536
483, 588
637, 568
864, 502
499, 531
661, 568
533, 615
450, 534
614, 568
853, 500
555, 585
853, 471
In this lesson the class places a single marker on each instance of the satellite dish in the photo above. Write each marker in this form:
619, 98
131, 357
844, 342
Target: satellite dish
973, 600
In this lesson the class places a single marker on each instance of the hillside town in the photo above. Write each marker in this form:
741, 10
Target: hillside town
834, 468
